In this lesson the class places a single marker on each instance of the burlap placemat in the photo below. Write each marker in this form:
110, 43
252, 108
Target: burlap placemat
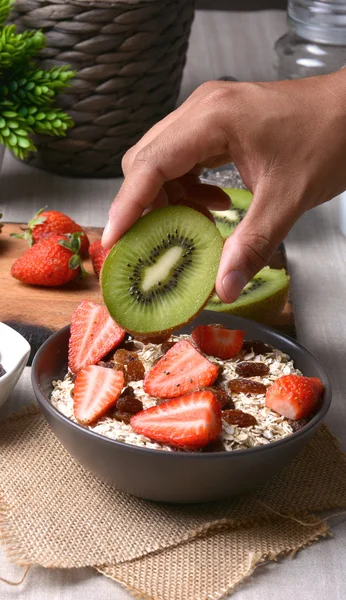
211, 567
53, 513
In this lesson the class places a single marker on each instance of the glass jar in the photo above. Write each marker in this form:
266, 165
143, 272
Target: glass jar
315, 43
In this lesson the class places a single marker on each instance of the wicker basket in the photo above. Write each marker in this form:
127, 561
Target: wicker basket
129, 56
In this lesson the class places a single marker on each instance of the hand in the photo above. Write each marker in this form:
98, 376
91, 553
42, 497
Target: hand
288, 140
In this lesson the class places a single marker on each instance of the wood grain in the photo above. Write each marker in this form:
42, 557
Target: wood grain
46, 307
51, 308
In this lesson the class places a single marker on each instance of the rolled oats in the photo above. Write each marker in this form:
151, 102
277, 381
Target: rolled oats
270, 426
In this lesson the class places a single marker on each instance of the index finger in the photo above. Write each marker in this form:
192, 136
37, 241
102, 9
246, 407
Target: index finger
174, 152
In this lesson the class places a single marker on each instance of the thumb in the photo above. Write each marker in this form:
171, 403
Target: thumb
252, 244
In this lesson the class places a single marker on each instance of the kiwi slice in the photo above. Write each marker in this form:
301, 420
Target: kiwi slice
227, 220
161, 273
262, 299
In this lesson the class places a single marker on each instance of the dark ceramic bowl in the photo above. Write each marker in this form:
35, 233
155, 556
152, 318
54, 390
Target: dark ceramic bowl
176, 476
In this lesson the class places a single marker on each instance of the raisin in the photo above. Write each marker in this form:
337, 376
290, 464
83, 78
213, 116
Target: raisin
2, 371
135, 370
129, 404
251, 369
129, 345
296, 425
221, 395
119, 367
247, 386
238, 417
154, 339
128, 391
124, 357
107, 364
125, 417
257, 347
167, 345
215, 446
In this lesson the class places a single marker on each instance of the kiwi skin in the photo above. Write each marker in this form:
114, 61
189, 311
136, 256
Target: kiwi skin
264, 310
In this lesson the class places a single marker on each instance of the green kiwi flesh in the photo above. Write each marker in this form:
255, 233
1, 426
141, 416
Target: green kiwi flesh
161, 273
262, 299
227, 220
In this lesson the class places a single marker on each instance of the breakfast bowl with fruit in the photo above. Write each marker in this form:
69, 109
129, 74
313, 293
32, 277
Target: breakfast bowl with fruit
163, 400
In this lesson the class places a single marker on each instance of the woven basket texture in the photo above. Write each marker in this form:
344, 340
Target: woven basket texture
129, 57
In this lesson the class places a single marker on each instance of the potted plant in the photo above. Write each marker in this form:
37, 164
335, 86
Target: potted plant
27, 93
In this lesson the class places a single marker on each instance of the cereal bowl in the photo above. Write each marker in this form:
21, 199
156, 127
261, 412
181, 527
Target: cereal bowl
179, 477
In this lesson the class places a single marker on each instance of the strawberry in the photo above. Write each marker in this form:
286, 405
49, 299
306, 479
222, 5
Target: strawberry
191, 421
96, 389
52, 262
215, 340
45, 223
93, 335
182, 369
98, 255
294, 396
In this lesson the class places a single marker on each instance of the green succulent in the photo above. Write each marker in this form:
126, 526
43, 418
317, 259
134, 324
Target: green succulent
27, 93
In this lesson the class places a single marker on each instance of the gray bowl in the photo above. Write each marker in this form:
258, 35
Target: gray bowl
183, 477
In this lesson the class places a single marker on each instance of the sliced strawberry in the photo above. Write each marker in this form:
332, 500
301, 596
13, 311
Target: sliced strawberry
93, 335
294, 396
96, 390
191, 421
215, 340
182, 369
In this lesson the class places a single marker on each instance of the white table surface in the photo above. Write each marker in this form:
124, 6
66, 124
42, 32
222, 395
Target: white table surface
238, 44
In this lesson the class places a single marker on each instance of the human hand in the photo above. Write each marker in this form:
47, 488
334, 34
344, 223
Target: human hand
287, 139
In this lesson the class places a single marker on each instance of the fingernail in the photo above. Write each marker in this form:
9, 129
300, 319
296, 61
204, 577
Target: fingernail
106, 233
233, 284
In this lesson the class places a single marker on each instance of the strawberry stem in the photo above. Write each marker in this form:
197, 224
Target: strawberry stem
73, 243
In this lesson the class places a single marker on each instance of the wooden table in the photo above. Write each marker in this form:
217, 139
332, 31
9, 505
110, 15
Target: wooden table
238, 44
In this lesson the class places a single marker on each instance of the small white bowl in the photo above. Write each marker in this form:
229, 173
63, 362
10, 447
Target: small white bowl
14, 354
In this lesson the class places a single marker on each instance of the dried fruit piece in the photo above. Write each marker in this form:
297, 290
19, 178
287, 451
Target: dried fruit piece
222, 396
153, 339
128, 391
124, 417
122, 368
106, 364
246, 386
239, 418
167, 345
251, 369
257, 347
135, 370
296, 425
124, 357
129, 404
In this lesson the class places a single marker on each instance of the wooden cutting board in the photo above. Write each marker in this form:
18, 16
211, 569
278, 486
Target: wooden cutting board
37, 312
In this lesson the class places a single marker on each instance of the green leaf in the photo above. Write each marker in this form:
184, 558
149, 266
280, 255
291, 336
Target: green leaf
74, 262
24, 142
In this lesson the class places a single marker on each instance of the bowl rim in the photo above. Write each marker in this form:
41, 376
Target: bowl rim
317, 418
21, 357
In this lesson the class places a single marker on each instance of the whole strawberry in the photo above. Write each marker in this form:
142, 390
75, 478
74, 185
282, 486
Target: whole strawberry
98, 256
52, 262
46, 222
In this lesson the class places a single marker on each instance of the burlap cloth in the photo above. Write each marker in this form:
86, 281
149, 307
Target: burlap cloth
55, 514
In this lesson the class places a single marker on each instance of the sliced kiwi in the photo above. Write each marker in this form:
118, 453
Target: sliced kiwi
227, 220
162, 271
262, 299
